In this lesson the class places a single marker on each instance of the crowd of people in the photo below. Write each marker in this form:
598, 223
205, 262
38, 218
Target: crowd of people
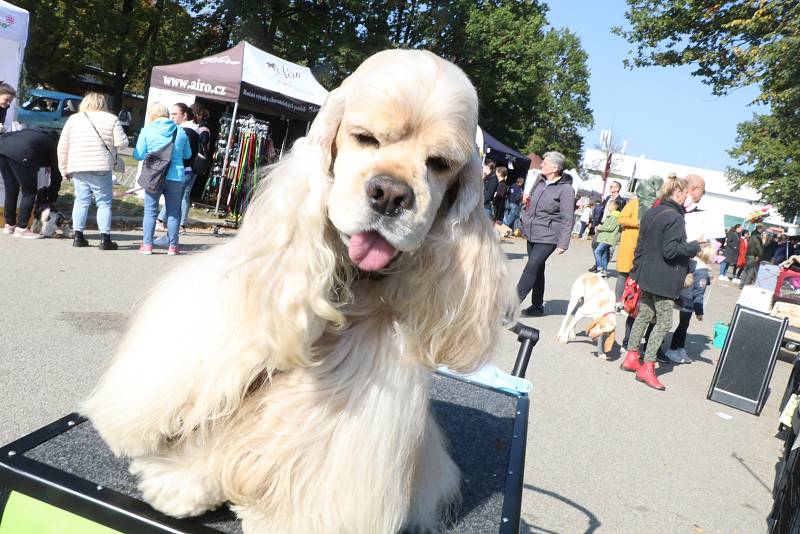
658, 234
656, 231
87, 152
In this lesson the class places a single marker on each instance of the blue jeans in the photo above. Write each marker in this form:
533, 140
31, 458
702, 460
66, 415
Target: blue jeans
723, 268
601, 256
86, 184
511, 215
172, 192
187, 191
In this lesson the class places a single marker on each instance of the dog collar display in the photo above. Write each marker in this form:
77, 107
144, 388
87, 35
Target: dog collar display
607, 314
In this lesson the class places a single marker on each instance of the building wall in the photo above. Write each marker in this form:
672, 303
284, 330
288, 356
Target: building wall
727, 206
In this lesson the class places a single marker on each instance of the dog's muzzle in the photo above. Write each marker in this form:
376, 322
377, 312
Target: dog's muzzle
389, 196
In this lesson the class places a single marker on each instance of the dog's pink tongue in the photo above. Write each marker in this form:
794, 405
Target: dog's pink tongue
370, 251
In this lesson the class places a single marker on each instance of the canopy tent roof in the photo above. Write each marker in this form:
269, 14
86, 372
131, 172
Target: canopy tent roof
257, 80
13, 23
13, 38
502, 154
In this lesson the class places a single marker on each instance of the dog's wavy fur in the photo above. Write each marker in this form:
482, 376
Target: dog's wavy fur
269, 372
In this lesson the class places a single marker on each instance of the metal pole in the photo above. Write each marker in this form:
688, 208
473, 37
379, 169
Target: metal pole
227, 153
605, 173
283, 145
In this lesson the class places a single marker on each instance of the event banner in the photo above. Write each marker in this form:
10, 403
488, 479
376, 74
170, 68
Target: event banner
260, 99
215, 77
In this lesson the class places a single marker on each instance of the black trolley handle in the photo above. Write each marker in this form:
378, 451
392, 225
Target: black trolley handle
528, 337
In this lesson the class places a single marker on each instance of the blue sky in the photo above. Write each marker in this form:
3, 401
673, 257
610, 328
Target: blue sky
663, 113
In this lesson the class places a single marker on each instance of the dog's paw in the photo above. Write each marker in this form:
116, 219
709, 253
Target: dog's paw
562, 338
172, 488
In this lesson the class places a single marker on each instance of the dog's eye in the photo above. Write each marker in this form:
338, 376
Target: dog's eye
366, 139
437, 164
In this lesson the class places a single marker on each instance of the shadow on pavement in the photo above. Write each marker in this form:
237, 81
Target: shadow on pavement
555, 307
594, 522
697, 345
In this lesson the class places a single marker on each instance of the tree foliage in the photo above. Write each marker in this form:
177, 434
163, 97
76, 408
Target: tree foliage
532, 80
733, 44
120, 39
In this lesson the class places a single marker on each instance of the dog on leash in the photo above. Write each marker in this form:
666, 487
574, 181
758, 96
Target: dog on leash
365, 261
52, 223
591, 297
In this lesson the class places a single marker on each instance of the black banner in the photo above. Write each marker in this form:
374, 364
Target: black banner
263, 100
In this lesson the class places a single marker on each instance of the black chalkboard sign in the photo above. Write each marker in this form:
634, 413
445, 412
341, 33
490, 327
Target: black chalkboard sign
747, 360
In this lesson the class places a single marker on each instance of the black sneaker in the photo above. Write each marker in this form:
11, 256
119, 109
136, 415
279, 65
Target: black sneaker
593, 269
662, 358
533, 311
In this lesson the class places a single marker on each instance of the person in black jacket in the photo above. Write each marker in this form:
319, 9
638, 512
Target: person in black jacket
730, 251
22, 154
499, 200
660, 266
489, 186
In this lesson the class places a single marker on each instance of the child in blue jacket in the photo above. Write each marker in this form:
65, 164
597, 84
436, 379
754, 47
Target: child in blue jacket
691, 301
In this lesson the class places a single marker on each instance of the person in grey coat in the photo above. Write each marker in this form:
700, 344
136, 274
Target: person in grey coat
546, 224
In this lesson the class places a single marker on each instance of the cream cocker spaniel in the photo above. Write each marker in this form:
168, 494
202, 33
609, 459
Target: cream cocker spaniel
286, 372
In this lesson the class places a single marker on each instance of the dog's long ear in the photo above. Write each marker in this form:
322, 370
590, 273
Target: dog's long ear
285, 270
458, 296
611, 338
589, 327
326, 124
467, 190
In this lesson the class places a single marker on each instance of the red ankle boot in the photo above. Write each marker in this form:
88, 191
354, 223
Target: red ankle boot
647, 374
631, 362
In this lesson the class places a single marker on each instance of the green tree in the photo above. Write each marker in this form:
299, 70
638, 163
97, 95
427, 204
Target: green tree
121, 39
733, 44
532, 80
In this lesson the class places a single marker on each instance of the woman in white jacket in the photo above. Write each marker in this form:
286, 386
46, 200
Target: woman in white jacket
86, 153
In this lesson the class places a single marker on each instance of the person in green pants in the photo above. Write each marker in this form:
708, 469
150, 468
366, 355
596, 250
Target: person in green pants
660, 266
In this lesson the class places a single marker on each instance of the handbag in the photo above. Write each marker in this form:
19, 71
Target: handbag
118, 163
155, 167
202, 162
630, 297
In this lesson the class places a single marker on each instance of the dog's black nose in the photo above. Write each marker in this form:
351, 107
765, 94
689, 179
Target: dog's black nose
388, 196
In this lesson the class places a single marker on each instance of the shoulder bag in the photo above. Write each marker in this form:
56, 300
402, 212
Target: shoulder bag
118, 163
155, 167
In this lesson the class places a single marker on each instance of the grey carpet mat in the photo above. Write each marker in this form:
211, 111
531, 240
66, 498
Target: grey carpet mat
477, 421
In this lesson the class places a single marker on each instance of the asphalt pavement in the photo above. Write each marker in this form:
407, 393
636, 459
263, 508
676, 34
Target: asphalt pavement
605, 453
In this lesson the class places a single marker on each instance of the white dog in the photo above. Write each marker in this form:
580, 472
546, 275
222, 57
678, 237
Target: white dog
291, 380
590, 297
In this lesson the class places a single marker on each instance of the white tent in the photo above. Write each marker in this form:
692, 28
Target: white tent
246, 77
13, 38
